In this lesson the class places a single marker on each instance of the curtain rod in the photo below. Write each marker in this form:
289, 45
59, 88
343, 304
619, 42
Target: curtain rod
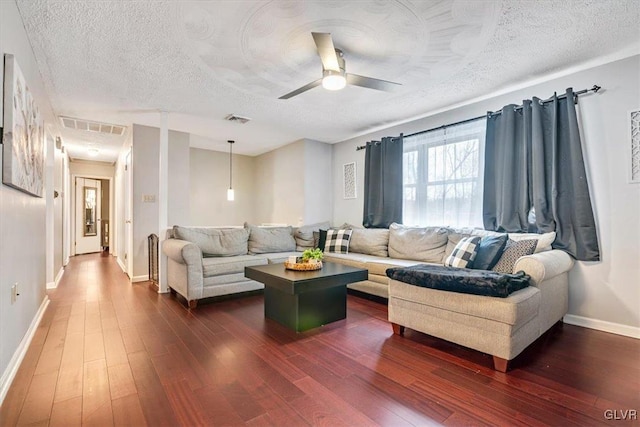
595, 89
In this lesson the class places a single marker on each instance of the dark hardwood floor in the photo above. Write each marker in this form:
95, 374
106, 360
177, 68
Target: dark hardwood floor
108, 352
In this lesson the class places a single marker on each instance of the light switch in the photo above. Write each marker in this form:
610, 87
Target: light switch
148, 198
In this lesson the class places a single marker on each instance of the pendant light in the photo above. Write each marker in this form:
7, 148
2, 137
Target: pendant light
230, 193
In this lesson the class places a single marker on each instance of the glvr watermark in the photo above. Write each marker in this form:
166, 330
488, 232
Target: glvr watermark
621, 414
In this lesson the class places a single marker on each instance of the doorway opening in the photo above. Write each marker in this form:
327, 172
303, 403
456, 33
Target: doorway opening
91, 215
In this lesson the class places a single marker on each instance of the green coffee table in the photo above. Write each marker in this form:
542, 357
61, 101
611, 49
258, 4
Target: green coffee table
303, 300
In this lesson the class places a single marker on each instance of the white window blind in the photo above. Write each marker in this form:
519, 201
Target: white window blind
443, 175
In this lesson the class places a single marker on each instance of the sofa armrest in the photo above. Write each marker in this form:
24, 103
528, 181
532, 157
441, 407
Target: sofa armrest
544, 265
182, 251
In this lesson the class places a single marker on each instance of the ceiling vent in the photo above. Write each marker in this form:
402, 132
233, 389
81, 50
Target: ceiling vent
237, 119
89, 126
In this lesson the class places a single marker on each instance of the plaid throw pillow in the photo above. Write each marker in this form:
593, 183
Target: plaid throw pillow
464, 253
337, 241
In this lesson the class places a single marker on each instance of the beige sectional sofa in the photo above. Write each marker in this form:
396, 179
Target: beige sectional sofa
208, 262
502, 327
204, 262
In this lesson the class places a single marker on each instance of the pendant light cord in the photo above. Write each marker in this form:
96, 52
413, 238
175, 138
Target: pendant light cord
230, 164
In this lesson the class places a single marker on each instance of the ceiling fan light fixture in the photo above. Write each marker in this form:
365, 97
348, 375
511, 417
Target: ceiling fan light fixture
333, 80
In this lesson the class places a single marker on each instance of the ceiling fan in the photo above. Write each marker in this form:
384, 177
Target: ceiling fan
334, 75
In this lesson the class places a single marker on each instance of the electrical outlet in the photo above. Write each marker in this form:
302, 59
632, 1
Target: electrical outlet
14, 293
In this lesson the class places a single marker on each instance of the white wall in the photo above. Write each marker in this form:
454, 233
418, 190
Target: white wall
293, 184
89, 168
318, 182
606, 291
179, 210
58, 202
145, 157
209, 181
145, 170
280, 185
22, 217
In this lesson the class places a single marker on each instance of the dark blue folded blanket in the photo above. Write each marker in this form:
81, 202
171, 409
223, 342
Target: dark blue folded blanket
463, 280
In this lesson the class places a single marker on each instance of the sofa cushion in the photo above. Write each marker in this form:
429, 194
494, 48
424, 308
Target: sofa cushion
512, 252
464, 253
264, 240
278, 257
453, 237
229, 265
371, 241
215, 241
516, 309
379, 266
304, 235
421, 244
489, 252
337, 241
544, 240
351, 259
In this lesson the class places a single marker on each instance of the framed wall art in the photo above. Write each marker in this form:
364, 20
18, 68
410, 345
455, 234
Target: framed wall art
349, 180
634, 141
23, 134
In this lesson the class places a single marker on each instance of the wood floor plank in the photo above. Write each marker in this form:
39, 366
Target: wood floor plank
185, 404
153, 399
96, 398
39, 399
110, 352
127, 411
70, 383
121, 383
93, 347
114, 349
67, 413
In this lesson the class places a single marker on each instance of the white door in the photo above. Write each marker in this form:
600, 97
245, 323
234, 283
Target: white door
88, 197
128, 230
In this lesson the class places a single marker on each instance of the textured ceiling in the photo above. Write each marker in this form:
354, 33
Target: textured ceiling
123, 61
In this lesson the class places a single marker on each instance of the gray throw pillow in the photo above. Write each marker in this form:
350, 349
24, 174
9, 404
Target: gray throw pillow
370, 241
215, 241
264, 240
304, 235
420, 244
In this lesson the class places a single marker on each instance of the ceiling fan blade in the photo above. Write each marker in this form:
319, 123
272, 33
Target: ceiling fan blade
302, 89
371, 83
326, 50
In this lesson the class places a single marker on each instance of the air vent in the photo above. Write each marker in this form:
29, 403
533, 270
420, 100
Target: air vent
237, 119
79, 124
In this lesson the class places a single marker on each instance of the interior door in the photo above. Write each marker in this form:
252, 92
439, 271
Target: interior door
88, 196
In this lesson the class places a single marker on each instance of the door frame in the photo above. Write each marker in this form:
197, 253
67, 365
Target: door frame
73, 209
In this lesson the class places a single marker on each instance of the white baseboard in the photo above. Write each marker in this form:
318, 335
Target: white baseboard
124, 269
602, 325
142, 278
56, 282
10, 373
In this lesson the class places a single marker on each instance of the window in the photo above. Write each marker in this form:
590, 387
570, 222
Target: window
443, 175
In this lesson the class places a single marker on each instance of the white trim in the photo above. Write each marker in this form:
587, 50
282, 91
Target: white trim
616, 56
603, 325
14, 364
121, 265
56, 282
142, 278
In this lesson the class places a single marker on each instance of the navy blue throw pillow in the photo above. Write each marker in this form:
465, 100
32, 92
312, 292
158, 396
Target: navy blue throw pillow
489, 251
323, 239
